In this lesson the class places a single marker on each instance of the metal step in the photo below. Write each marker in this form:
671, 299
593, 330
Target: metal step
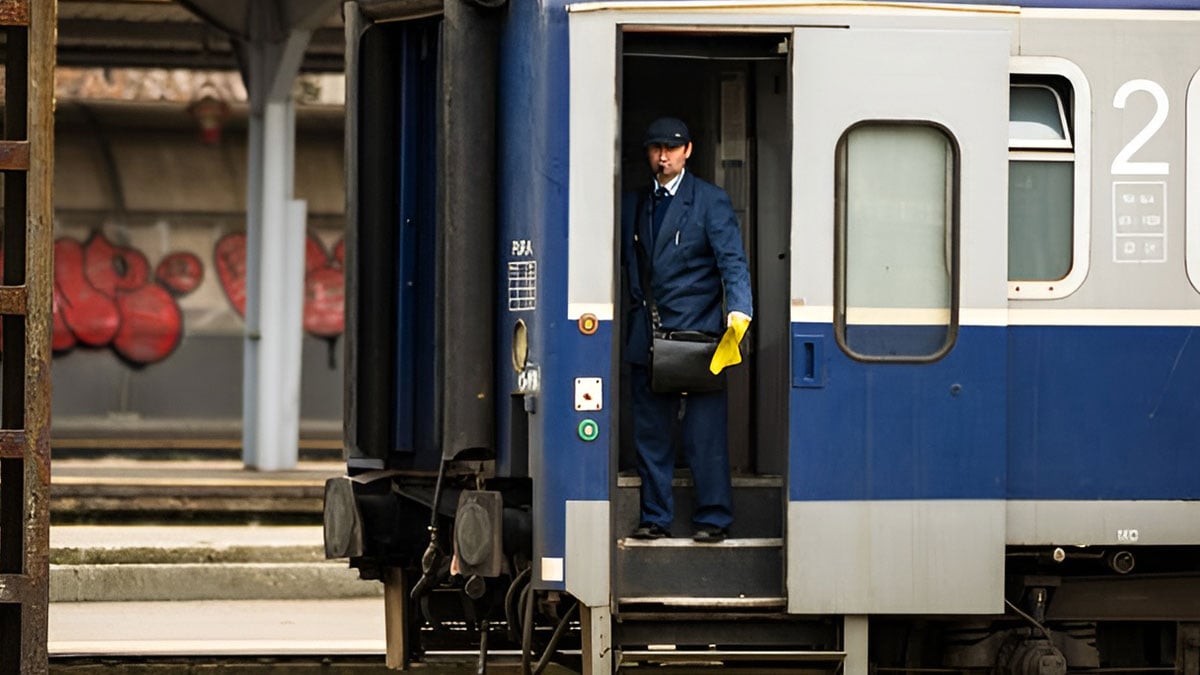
727, 639
692, 602
757, 505
688, 572
715, 657
733, 662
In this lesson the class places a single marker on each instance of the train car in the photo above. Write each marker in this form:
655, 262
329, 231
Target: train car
964, 437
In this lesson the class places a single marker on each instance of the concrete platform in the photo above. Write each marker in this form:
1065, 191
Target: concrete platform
192, 529
193, 543
227, 627
216, 581
195, 562
83, 490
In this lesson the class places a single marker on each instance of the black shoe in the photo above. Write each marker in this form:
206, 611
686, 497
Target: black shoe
650, 531
709, 534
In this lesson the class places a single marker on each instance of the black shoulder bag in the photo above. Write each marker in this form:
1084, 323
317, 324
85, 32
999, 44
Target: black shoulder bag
679, 359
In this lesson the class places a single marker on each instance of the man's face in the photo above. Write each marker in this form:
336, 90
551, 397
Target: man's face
666, 161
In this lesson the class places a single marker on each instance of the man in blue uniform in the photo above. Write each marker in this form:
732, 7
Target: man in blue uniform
700, 281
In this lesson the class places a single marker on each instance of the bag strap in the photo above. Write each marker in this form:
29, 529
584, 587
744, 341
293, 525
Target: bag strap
645, 271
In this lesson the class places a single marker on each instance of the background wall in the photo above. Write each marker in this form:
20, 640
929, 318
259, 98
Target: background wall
149, 281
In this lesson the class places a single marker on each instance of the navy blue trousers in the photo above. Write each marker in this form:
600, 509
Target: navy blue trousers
704, 447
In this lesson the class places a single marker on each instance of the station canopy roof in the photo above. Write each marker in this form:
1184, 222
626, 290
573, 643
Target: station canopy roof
192, 34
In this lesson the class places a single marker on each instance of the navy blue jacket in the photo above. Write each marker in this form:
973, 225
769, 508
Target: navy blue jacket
698, 280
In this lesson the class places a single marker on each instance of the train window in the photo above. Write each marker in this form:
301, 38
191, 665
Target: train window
1036, 118
1039, 219
896, 242
1039, 185
1047, 210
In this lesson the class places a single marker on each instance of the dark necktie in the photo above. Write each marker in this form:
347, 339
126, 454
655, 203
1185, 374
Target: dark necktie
662, 199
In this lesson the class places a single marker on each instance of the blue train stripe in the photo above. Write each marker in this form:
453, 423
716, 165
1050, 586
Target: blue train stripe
1090, 413
877, 431
1103, 412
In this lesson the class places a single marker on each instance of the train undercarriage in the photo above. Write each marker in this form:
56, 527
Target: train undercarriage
457, 588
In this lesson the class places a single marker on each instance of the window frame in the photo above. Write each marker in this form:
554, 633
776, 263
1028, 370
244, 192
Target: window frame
1042, 143
1077, 127
1191, 232
899, 316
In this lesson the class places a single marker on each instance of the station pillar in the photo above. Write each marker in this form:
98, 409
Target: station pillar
275, 234
270, 38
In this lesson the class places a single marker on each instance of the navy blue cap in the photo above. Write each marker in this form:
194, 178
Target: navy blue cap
667, 130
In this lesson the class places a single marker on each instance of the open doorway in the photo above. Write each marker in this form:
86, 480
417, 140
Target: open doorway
731, 89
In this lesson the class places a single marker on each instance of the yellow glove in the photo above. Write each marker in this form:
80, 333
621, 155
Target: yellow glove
727, 353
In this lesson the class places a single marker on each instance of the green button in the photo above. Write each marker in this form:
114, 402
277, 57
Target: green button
589, 430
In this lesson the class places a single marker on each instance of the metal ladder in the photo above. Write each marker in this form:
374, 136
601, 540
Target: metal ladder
27, 166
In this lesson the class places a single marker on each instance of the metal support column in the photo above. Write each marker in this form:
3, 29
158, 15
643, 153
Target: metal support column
27, 164
269, 38
275, 232
596, 626
396, 617
855, 642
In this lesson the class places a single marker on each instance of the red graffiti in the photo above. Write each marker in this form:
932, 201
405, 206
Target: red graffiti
113, 268
230, 259
315, 256
324, 292
151, 324
90, 314
104, 296
325, 302
324, 282
180, 272
107, 295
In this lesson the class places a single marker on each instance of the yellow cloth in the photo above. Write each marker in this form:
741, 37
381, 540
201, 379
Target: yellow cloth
727, 353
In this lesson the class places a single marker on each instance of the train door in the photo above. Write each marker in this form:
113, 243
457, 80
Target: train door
731, 89
732, 92
897, 439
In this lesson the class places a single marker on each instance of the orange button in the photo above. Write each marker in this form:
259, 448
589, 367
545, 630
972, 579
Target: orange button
588, 323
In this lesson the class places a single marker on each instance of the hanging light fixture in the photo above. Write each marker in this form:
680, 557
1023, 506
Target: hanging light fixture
210, 112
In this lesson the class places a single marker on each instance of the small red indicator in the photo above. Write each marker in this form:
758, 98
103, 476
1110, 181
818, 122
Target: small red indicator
588, 323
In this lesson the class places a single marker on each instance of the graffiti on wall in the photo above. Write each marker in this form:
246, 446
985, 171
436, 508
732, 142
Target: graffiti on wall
109, 296
104, 296
324, 282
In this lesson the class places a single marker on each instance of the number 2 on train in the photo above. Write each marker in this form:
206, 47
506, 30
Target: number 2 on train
1122, 166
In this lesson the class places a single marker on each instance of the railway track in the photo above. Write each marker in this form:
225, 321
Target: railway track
233, 665
508, 664
187, 480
